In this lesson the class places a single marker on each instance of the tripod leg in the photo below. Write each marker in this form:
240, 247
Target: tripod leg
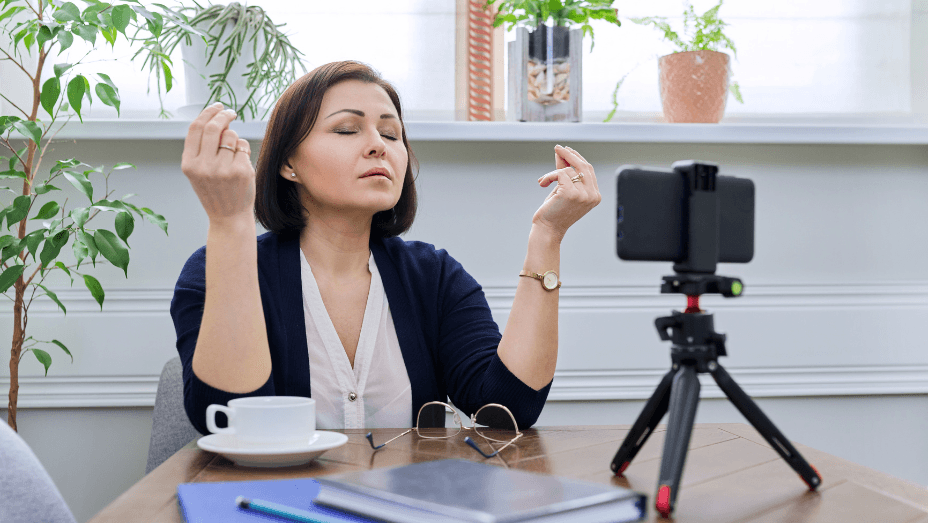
684, 397
767, 429
650, 416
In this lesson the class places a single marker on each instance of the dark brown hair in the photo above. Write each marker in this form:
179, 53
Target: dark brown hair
277, 202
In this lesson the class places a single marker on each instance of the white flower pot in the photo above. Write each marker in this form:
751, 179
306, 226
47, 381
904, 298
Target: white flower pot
197, 74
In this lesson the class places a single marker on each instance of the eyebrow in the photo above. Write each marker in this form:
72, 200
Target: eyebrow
384, 116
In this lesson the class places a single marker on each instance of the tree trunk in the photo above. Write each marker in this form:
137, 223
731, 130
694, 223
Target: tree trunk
15, 352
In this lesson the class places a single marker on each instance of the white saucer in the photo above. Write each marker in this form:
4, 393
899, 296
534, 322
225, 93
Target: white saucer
251, 455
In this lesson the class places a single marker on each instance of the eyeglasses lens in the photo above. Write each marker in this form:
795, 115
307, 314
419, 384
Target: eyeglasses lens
495, 424
431, 422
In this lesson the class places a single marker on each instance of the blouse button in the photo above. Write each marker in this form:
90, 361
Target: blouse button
352, 396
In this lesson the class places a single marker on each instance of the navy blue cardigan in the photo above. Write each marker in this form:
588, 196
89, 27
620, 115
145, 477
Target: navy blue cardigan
446, 333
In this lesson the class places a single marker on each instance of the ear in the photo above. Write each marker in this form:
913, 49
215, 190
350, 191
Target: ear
286, 171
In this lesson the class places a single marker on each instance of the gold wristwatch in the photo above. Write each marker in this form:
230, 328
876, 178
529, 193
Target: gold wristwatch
549, 280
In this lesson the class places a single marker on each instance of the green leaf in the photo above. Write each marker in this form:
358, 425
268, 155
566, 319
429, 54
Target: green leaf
60, 69
122, 15
65, 349
44, 35
33, 239
12, 174
20, 208
110, 206
11, 12
110, 35
65, 269
76, 88
53, 247
47, 211
87, 32
43, 358
80, 253
112, 249
12, 250
91, 245
55, 299
96, 290
168, 78
125, 224
44, 188
156, 219
80, 216
50, 93
108, 96
68, 12
65, 39
30, 130
7, 240
9, 276
59, 165
124, 165
106, 78
80, 182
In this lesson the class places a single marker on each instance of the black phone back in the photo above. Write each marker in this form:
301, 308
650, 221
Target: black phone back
651, 222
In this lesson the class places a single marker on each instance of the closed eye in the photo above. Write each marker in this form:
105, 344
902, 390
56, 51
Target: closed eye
387, 136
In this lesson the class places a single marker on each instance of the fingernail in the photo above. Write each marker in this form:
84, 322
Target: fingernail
559, 145
230, 112
217, 104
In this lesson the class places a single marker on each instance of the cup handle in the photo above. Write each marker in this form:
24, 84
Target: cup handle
211, 419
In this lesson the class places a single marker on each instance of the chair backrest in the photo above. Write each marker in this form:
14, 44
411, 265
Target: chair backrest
170, 427
27, 493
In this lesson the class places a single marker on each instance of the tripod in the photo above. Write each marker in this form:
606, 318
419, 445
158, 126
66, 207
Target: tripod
695, 349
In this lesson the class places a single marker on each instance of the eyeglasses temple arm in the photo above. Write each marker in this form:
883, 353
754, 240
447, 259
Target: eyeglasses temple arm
370, 439
482, 453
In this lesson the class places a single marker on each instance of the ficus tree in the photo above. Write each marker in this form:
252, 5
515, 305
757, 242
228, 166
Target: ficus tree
40, 224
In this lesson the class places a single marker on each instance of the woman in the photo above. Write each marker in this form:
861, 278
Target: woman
331, 303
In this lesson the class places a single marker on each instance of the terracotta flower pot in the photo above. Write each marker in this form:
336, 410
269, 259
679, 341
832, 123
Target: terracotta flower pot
694, 86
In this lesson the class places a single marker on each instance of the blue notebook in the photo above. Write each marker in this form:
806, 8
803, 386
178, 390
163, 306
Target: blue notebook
209, 502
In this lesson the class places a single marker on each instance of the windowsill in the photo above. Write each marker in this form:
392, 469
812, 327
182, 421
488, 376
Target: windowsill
786, 132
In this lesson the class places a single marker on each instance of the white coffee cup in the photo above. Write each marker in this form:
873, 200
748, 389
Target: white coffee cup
266, 420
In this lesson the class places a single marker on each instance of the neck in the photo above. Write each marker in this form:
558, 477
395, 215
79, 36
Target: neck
336, 248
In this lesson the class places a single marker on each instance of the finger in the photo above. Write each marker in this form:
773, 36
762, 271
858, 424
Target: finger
587, 168
228, 143
559, 162
547, 179
243, 151
214, 130
195, 131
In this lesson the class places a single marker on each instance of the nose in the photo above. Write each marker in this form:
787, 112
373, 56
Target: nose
377, 147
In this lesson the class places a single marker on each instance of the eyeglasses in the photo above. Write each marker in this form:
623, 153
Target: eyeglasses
492, 422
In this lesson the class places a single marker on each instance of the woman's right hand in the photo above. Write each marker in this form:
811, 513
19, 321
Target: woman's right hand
217, 163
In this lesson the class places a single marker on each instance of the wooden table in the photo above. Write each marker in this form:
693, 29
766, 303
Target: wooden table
731, 474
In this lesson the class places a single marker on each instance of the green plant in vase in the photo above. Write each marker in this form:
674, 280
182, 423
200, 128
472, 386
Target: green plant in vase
561, 13
703, 32
39, 32
234, 54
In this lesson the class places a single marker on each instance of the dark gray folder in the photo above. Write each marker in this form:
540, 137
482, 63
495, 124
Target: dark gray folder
461, 490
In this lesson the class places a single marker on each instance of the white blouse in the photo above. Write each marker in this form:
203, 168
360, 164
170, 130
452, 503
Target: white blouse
376, 392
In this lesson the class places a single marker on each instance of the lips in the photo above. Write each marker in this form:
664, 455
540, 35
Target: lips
377, 171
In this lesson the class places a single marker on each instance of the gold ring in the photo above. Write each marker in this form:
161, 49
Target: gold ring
227, 147
577, 178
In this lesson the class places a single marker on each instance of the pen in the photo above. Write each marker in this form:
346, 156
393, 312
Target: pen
274, 509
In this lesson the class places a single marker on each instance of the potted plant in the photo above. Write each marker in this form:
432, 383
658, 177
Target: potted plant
695, 80
44, 226
547, 69
234, 54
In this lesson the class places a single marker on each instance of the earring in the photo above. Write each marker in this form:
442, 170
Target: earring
293, 175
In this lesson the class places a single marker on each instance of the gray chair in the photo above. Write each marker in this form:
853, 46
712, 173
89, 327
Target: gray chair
171, 430
27, 493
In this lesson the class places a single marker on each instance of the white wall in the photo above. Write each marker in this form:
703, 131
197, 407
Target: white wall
827, 333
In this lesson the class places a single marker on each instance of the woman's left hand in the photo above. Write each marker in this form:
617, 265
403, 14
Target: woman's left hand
576, 193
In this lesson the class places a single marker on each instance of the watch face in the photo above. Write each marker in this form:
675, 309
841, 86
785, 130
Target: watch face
550, 280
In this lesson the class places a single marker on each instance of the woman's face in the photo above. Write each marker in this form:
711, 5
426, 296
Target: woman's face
353, 161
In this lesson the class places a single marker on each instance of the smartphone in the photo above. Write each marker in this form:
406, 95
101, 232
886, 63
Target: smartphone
652, 214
